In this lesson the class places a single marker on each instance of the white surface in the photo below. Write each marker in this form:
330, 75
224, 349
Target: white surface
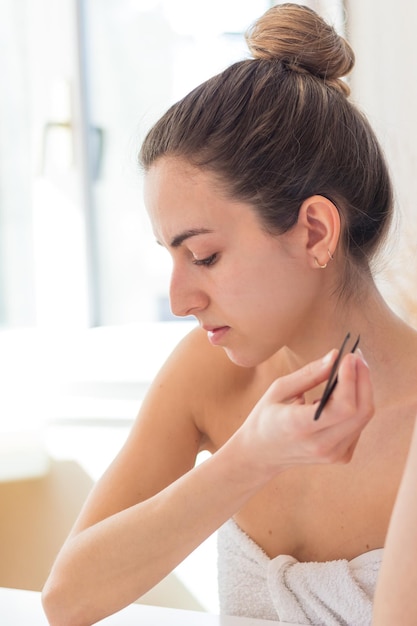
21, 608
97, 372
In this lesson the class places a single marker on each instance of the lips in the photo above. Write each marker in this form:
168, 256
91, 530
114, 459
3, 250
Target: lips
216, 333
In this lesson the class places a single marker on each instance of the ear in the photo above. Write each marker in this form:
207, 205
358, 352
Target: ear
321, 220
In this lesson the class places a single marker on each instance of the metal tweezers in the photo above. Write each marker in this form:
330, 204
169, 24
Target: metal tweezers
332, 381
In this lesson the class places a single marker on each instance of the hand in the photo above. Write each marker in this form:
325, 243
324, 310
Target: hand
281, 432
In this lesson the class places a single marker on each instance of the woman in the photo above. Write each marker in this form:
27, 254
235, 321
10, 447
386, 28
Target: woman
269, 190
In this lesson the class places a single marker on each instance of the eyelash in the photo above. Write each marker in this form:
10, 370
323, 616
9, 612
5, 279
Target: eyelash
207, 262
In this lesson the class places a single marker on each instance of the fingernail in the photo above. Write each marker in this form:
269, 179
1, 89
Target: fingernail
327, 357
360, 353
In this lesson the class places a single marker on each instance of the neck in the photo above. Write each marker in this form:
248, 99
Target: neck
386, 341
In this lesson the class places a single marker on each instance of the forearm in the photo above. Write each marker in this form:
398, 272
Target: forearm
106, 566
397, 583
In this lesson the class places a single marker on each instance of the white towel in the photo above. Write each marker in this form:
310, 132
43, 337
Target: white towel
333, 593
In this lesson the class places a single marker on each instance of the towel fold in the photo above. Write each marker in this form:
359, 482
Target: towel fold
333, 593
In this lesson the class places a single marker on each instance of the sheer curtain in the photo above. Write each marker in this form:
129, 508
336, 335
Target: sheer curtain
16, 243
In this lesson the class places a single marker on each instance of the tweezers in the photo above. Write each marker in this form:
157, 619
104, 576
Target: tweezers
332, 381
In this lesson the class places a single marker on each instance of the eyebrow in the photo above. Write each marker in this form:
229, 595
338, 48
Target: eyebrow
193, 232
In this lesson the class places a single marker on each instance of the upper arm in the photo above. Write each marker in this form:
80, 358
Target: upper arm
395, 591
162, 445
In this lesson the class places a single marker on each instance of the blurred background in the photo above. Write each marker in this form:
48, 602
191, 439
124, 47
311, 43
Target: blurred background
84, 313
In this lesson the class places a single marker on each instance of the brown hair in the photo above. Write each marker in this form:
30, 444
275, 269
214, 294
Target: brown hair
279, 128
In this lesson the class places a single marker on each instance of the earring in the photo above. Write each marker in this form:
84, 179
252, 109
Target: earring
322, 267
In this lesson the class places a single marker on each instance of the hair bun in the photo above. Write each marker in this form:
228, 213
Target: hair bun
298, 37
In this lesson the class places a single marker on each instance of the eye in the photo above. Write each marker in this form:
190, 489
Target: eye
210, 260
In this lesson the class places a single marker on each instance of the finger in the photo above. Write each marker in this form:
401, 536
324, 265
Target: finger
319, 443
349, 409
345, 393
342, 451
297, 383
354, 389
298, 400
365, 396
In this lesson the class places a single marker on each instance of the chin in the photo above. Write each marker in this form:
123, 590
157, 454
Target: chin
243, 359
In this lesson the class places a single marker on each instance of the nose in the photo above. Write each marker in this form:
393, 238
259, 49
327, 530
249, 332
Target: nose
186, 295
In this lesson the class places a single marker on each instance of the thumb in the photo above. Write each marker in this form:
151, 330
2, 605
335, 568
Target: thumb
292, 387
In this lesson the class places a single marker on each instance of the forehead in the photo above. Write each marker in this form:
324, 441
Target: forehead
181, 197
167, 177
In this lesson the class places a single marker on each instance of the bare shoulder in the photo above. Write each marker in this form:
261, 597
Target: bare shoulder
197, 371
169, 430
181, 399
199, 389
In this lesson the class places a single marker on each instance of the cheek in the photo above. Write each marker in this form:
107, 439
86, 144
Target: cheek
278, 299
269, 284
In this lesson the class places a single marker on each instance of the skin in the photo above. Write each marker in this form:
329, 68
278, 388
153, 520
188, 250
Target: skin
395, 592
247, 394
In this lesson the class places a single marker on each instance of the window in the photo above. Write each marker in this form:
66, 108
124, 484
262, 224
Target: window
84, 81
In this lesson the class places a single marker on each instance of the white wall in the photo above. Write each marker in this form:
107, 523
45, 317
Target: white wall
384, 84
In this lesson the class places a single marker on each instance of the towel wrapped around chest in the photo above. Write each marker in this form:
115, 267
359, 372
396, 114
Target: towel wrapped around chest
332, 593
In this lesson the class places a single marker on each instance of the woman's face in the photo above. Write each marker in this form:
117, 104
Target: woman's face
251, 291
